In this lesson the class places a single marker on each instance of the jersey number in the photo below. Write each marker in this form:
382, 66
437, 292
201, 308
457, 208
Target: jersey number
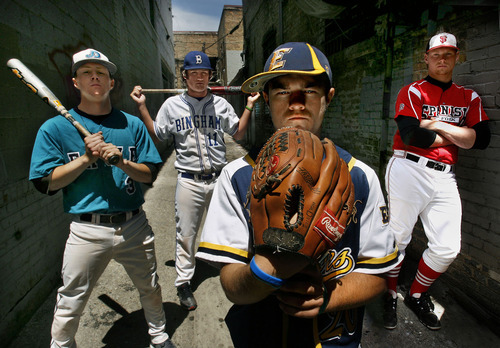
212, 139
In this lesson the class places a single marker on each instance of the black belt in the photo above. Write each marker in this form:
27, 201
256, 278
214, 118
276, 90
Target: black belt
200, 177
108, 218
441, 167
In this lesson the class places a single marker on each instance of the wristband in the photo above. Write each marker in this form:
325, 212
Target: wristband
264, 277
250, 109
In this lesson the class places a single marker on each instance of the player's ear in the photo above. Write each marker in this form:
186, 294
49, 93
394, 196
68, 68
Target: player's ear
112, 83
75, 83
265, 96
330, 95
184, 74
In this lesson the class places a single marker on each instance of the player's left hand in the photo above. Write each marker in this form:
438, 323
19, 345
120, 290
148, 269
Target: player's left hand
108, 150
302, 295
252, 99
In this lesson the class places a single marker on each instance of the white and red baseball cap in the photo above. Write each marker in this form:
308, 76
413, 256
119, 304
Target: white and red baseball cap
442, 40
94, 56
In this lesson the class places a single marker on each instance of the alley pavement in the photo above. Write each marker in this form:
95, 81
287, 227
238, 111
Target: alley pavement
113, 316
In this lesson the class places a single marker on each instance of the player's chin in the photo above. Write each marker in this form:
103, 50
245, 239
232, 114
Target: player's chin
301, 123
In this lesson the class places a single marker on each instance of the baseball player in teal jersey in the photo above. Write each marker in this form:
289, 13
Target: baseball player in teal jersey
435, 117
105, 201
302, 311
197, 121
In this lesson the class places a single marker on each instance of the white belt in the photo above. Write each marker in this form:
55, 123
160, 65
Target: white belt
424, 162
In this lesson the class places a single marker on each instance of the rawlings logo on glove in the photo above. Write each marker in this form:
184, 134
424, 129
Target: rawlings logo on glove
302, 196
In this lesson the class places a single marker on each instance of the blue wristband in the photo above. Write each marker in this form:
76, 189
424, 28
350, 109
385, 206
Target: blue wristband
264, 277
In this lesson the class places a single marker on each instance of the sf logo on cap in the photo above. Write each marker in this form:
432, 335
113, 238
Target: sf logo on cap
93, 54
443, 38
198, 59
277, 61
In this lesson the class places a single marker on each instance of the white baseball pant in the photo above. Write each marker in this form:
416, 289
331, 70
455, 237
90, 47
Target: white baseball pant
417, 191
192, 198
89, 249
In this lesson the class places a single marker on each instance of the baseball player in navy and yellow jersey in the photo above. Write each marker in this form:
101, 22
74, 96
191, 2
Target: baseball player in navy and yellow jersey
435, 117
197, 121
296, 85
105, 201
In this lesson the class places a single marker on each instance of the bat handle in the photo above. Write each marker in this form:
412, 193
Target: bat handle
114, 159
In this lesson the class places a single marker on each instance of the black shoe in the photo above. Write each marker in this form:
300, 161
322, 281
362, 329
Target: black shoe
390, 312
424, 309
167, 344
186, 297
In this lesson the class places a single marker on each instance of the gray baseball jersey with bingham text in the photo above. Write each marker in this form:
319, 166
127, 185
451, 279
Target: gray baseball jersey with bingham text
198, 128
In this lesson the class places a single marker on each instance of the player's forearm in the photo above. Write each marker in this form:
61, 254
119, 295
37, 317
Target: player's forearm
241, 287
440, 141
148, 121
354, 290
242, 125
462, 137
64, 175
136, 171
244, 121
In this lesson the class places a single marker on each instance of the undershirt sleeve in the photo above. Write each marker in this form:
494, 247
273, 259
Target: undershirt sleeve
483, 135
412, 134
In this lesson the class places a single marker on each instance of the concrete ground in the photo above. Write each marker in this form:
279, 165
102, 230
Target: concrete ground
114, 318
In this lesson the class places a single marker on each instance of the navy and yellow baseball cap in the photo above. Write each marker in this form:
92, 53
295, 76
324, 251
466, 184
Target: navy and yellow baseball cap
196, 60
290, 58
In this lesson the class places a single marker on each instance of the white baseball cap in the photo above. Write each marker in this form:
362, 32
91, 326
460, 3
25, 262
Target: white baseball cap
94, 56
442, 40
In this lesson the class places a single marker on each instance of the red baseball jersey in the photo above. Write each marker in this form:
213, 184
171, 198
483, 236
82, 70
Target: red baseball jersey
456, 105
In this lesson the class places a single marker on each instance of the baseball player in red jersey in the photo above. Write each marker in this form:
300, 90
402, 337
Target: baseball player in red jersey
435, 117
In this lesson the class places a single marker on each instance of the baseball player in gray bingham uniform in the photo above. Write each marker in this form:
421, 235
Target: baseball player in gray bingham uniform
197, 121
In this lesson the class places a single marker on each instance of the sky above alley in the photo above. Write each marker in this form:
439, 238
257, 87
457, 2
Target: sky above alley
198, 15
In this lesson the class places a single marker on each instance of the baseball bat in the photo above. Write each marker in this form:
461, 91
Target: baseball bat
40, 89
219, 90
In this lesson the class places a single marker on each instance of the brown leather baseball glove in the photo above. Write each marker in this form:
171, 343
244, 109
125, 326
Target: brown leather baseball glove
302, 196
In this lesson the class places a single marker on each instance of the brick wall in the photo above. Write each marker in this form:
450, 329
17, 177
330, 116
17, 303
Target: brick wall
230, 43
360, 118
44, 35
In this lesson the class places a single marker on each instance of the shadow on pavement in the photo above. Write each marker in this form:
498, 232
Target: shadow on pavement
131, 330
203, 271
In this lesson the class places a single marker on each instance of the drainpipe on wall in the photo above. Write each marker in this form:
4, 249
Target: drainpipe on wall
386, 103
280, 22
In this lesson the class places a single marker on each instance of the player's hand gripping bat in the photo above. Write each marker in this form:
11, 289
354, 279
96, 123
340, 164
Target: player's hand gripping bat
39, 88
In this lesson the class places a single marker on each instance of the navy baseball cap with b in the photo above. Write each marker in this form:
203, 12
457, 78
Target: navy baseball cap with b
196, 60
290, 58
93, 56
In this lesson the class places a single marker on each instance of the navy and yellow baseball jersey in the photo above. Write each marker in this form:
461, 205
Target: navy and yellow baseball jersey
367, 247
101, 188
